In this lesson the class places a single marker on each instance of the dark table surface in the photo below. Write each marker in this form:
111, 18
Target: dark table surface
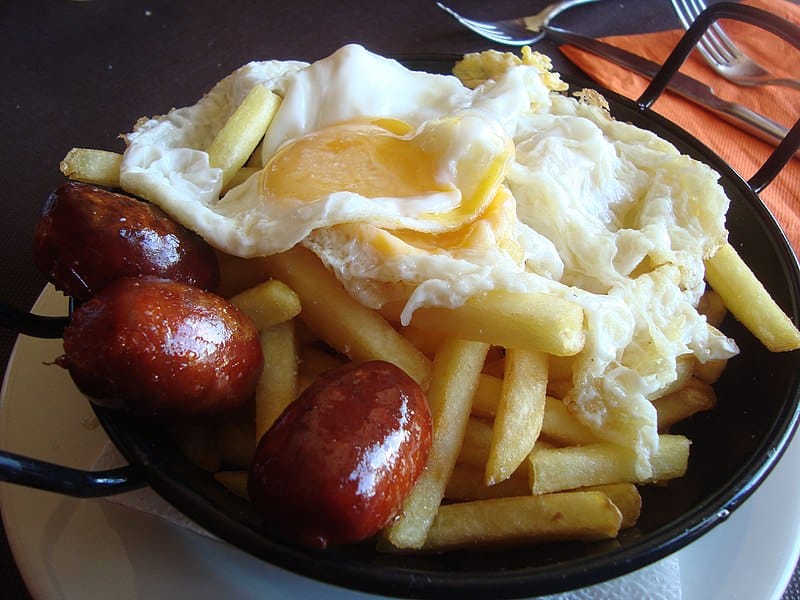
77, 73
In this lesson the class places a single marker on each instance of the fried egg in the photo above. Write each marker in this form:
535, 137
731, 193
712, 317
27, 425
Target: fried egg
414, 187
379, 171
377, 168
357, 139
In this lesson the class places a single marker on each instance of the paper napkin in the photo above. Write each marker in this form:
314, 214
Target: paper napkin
741, 150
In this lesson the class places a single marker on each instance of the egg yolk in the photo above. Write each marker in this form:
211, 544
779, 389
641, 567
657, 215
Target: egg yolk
371, 159
492, 229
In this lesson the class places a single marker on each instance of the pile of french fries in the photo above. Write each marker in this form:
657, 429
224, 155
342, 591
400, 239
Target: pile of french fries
509, 463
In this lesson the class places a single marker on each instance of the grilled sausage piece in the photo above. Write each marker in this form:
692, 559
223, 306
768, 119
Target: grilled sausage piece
87, 237
339, 462
163, 349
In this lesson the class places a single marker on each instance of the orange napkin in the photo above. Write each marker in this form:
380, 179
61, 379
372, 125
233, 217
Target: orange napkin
741, 150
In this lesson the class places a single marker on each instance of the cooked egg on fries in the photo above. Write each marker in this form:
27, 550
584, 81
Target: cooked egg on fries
428, 190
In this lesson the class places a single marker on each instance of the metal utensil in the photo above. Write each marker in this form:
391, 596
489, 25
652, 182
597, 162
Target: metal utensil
723, 55
513, 32
683, 85
519, 31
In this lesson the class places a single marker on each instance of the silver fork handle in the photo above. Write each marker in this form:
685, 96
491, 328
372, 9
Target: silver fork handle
784, 81
536, 22
790, 145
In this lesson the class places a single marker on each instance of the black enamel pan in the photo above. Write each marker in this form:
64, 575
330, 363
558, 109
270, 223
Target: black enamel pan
734, 448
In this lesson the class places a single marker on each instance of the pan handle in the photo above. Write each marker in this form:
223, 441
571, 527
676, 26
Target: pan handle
787, 31
51, 477
31, 324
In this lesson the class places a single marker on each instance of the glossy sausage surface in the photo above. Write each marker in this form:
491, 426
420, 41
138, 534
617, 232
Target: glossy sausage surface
88, 236
339, 462
164, 349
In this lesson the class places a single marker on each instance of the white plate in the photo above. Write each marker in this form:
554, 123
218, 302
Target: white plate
68, 548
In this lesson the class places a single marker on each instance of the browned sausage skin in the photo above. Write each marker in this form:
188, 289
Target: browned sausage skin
164, 349
339, 462
87, 237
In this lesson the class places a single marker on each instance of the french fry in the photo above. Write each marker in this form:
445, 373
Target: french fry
536, 322
268, 303
487, 395
683, 373
709, 371
520, 412
339, 320
558, 424
314, 361
271, 305
626, 498
556, 469
426, 341
505, 522
454, 378
561, 426
98, 167
240, 135
748, 301
478, 439
694, 397
277, 387
671, 460
467, 483
475, 446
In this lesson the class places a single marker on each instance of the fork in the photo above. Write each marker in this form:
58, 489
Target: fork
519, 31
722, 54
